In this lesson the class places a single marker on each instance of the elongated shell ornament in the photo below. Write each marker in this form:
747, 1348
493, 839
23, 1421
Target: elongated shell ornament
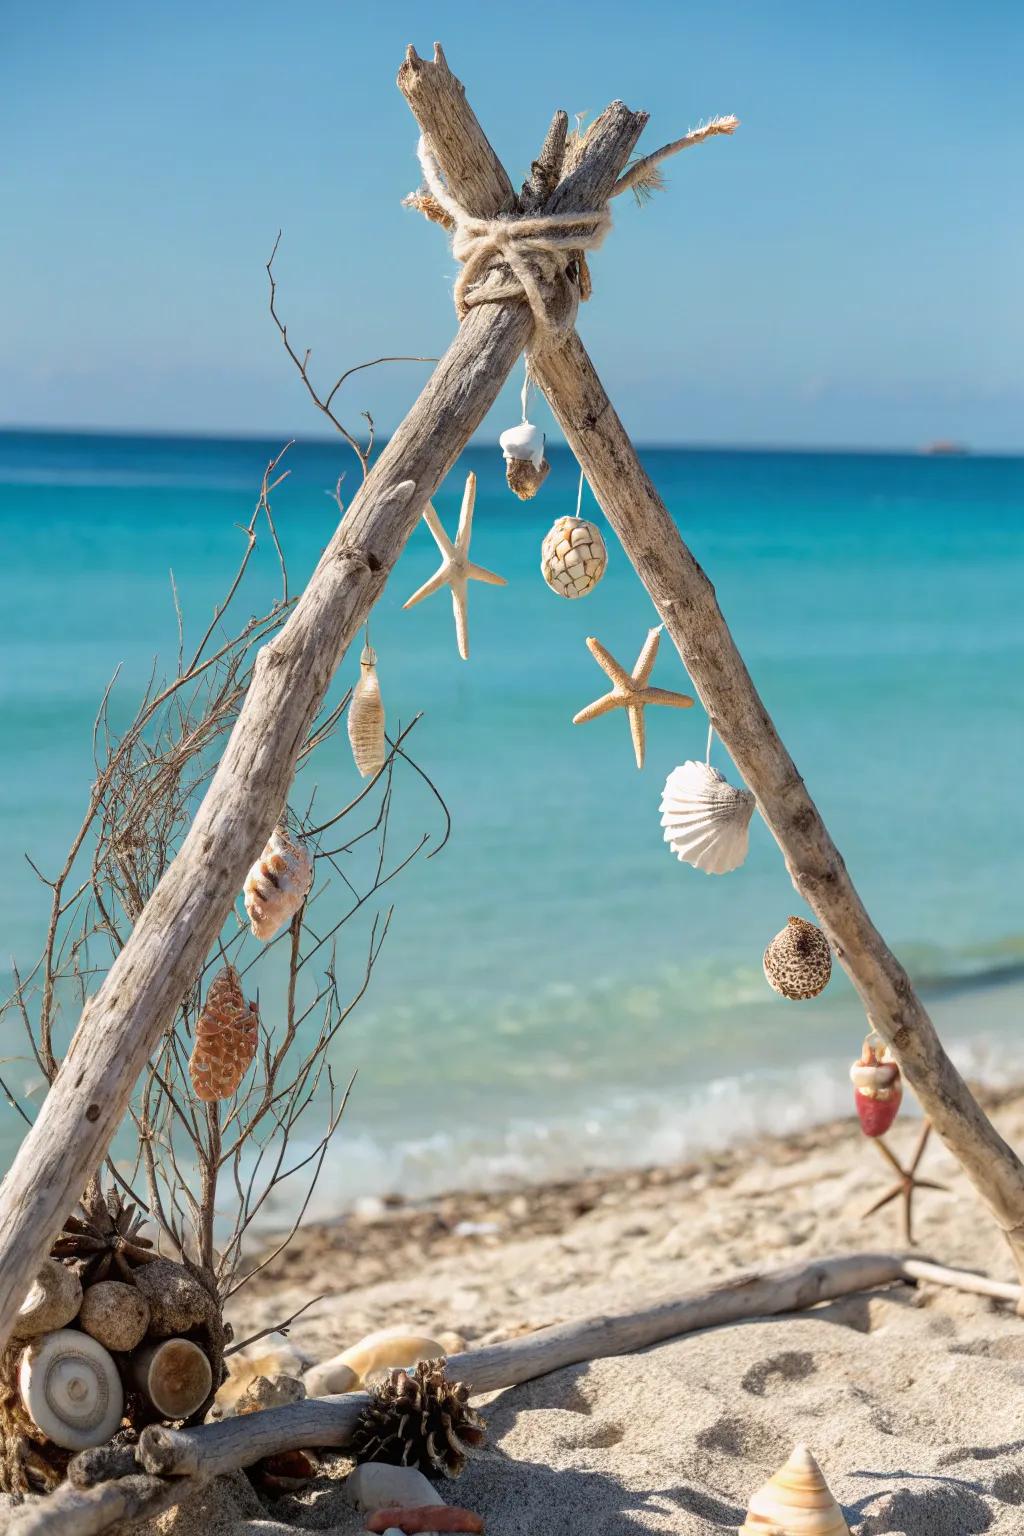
276, 885
366, 718
797, 1501
706, 819
573, 556
877, 1087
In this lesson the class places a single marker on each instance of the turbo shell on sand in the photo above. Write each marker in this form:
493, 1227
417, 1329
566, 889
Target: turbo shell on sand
797, 1501
706, 819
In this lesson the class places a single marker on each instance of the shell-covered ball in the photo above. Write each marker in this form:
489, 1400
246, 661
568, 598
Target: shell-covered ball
798, 961
573, 557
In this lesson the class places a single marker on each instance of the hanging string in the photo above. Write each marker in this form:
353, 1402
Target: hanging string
711, 733
579, 496
526, 388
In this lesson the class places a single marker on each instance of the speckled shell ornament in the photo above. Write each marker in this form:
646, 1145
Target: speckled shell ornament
276, 885
797, 1501
877, 1088
226, 1039
366, 718
798, 961
573, 557
706, 820
71, 1389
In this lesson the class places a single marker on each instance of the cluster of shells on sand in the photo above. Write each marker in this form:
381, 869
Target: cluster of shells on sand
90, 1357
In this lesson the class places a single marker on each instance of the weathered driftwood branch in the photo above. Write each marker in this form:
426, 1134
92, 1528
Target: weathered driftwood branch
74, 1511
685, 600
123, 1022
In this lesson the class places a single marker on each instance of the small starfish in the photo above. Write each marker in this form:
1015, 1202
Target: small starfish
631, 691
906, 1183
456, 569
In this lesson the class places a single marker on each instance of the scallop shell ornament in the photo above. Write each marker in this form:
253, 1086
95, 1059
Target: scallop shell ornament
797, 1501
573, 557
227, 1036
276, 885
366, 718
877, 1087
706, 819
526, 468
71, 1389
798, 961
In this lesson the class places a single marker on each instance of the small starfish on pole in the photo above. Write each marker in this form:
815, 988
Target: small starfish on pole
456, 569
630, 691
906, 1182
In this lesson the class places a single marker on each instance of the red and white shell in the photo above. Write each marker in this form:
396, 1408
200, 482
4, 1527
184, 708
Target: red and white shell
877, 1089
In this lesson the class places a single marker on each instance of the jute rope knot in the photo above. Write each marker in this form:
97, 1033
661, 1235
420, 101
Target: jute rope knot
531, 246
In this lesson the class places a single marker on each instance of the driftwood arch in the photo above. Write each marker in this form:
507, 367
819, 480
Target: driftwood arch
121, 1025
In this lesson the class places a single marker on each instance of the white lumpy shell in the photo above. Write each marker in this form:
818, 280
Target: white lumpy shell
71, 1389
523, 441
706, 819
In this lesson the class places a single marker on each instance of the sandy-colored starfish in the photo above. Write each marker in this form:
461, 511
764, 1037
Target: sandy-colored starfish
630, 691
456, 569
907, 1181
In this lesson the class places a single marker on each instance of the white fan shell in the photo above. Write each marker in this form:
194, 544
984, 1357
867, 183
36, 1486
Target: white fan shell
706, 819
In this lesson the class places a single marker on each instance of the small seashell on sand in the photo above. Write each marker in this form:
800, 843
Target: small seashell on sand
366, 718
798, 961
573, 557
706, 819
877, 1087
378, 1352
227, 1036
378, 1485
277, 884
797, 1501
53, 1301
115, 1314
70, 1389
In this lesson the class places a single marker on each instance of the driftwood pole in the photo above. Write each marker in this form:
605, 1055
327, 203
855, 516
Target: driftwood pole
122, 1024
685, 600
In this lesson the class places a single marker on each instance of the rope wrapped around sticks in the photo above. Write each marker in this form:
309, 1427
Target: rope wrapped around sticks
532, 246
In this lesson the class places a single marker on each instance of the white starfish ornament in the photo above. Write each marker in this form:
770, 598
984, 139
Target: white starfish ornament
456, 569
630, 691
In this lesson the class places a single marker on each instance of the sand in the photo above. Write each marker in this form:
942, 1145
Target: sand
912, 1399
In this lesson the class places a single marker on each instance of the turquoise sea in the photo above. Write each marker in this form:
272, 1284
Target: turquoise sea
556, 991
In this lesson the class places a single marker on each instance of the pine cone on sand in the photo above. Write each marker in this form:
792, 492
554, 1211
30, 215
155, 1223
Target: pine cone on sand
419, 1419
226, 1039
798, 961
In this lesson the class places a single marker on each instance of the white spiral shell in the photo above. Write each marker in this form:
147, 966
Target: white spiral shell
366, 718
706, 819
797, 1501
276, 885
71, 1389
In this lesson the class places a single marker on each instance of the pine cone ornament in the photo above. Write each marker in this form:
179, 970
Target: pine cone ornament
573, 557
104, 1241
226, 1039
798, 961
419, 1418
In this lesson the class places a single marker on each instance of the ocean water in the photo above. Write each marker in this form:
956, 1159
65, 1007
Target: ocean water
556, 991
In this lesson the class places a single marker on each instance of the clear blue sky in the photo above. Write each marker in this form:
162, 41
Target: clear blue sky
846, 270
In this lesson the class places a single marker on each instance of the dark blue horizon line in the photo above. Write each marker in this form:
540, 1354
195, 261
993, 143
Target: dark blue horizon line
939, 449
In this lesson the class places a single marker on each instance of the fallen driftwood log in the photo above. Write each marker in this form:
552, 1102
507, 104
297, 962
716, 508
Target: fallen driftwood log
175, 1463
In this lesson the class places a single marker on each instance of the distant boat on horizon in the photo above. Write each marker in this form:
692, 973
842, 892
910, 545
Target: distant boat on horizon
942, 448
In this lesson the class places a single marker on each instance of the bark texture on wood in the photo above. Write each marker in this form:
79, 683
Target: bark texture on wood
121, 1025
686, 602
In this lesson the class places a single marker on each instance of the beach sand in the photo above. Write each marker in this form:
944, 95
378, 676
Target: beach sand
911, 1399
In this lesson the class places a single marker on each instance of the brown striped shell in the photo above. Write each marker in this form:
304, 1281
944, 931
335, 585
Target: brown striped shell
366, 718
276, 885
